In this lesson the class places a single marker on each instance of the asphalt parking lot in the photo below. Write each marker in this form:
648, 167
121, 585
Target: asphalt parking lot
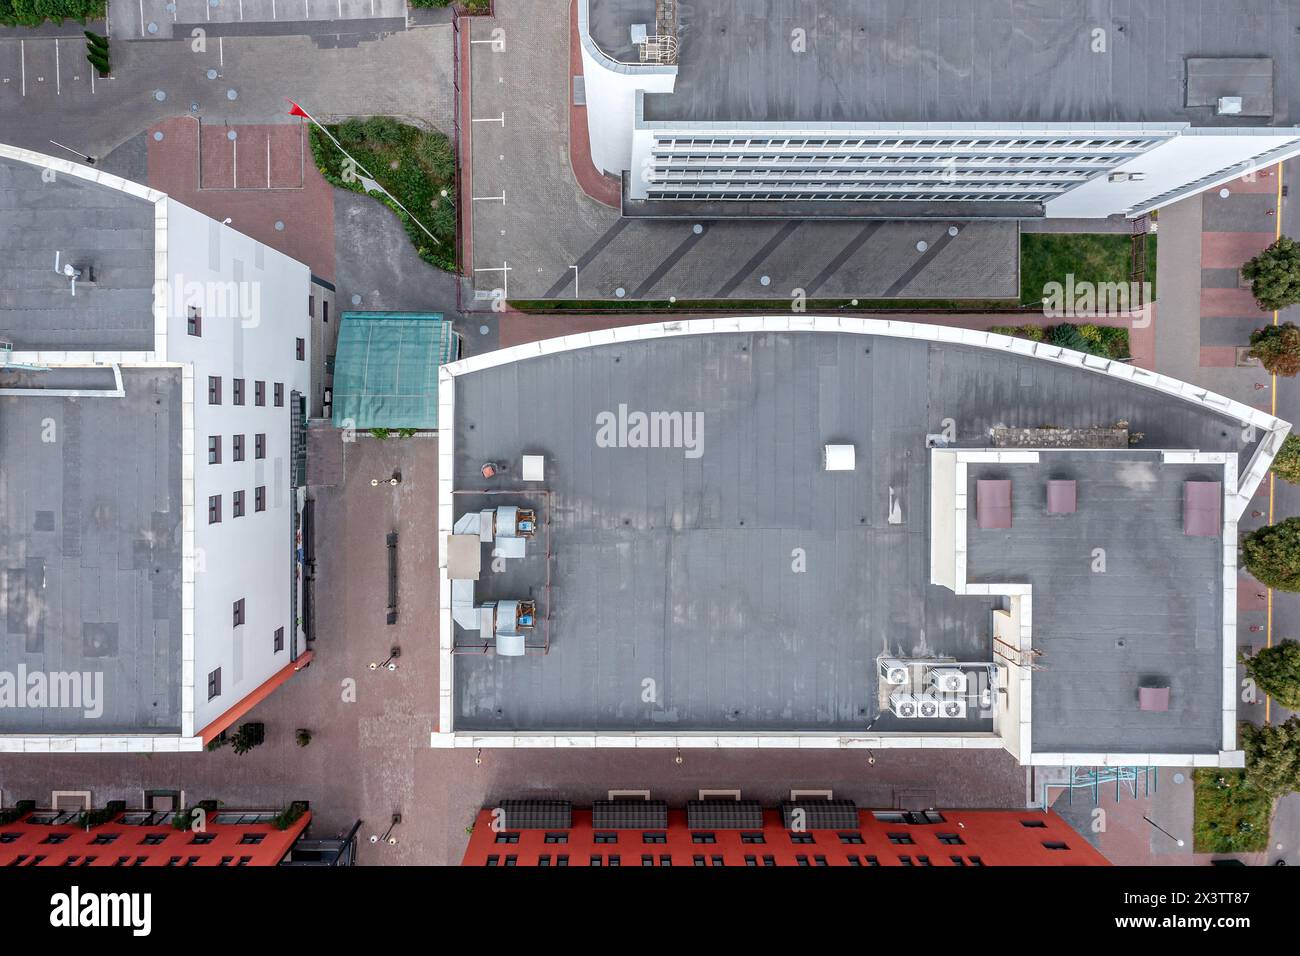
165, 19
50, 71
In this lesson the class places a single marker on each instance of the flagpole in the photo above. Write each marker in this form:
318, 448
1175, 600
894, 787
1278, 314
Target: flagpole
369, 174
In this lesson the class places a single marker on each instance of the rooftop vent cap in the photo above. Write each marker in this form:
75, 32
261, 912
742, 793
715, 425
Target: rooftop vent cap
840, 457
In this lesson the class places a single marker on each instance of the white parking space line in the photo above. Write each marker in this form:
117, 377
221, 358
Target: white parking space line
221, 51
22, 59
58, 81
492, 119
241, 9
141, 2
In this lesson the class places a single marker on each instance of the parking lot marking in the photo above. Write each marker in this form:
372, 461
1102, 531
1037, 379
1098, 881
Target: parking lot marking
241, 9
221, 51
492, 119
501, 199
272, 9
340, 9
306, 9
141, 17
58, 82
22, 60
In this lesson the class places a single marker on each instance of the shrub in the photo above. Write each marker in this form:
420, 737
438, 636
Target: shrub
1274, 275
1278, 348
1277, 672
1068, 336
1273, 756
247, 737
381, 433
1287, 463
1272, 554
289, 815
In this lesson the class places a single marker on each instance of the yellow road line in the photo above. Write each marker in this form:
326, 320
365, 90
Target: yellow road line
1268, 630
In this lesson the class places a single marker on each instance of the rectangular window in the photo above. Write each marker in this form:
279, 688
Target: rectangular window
769, 861
905, 860
1034, 824
850, 837
300, 349
239, 612
214, 683
557, 838
507, 837
279, 394
259, 445
326, 317
703, 838
237, 388
654, 837
544, 860
595, 859
951, 839
752, 837
214, 449
237, 447
647, 859
259, 393
900, 838
194, 320
252, 838
259, 498
153, 839
279, 639
562, 860
665, 860
214, 389
975, 860
1055, 845
923, 861
214, 509
802, 838
801, 860
604, 837
237, 504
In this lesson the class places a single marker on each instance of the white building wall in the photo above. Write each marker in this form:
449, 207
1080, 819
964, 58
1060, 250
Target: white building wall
1177, 162
265, 312
611, 89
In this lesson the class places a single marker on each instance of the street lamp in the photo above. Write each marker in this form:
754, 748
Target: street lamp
1164, 831
89, 160
387, 836
390, 663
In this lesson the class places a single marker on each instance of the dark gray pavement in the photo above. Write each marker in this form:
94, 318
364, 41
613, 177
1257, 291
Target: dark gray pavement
47, 92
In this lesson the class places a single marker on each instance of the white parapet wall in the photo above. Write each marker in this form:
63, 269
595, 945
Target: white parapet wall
611, 89
1014, 721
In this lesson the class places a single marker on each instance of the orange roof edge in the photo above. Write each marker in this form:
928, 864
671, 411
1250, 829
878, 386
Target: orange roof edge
252, 699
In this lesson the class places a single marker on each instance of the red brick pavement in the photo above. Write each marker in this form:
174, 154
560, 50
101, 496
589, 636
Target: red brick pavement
307, 212
1229, 250
604, 189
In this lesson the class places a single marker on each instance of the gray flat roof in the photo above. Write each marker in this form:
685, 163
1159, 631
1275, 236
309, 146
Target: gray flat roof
94, 227
90, 538
960, 60
1155, 612
678, 569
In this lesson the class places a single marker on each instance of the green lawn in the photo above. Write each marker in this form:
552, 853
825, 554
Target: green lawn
1098, 258
414, 165
1231, 815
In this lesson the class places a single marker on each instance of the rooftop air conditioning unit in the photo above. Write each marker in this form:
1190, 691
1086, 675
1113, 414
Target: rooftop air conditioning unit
902, 705
893, 671
948, 680
953, 709
927, 706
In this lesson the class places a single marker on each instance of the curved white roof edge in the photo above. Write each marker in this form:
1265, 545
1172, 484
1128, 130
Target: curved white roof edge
607, 62
885, 327
1274, 429
88, 173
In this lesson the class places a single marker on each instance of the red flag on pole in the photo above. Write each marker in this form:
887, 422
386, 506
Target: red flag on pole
296, 110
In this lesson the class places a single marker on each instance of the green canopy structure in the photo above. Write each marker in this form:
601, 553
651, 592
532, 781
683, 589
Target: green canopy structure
386, 369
